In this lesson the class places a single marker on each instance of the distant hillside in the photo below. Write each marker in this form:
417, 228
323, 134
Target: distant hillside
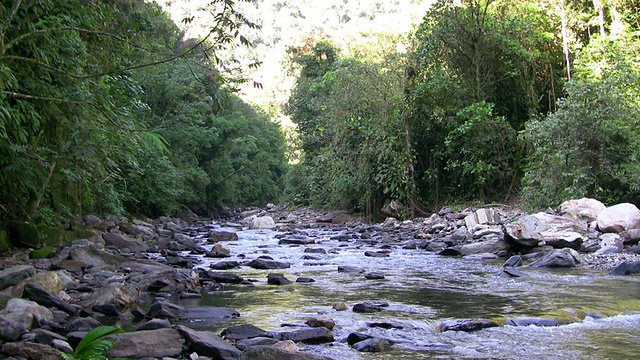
288, 23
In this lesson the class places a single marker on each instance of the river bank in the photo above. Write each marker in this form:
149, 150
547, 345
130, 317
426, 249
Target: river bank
323, 283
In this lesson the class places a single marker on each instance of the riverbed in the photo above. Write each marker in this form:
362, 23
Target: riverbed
424, 289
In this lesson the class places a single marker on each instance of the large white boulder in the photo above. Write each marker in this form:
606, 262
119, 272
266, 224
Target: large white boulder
620, 217
584, 209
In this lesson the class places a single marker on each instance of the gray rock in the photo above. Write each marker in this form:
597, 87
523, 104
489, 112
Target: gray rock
32, 351
631, 236
247, 343
19, 316
123, 242
377, 254
374, 276
147, 343
492, 244
466, 325
350, 269
266, 264
154, 324
221, 235
374, 344
620, 217
528, 321
15, 274
606, 250
41, 296
245, 331
627, 268
369, 306
164, 309
262, 352
558, 258
296, 241
206, 343
545, 229
308, 336
225, 278
278, 279
225, 265
513, 261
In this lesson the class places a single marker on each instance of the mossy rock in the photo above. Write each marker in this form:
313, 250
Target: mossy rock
42, 253
5, 244
22, 234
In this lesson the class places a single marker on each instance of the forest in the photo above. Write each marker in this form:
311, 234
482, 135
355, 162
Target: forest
109, 108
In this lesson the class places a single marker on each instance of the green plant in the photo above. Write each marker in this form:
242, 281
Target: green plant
93, 346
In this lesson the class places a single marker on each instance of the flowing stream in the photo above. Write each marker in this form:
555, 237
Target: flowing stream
422, 290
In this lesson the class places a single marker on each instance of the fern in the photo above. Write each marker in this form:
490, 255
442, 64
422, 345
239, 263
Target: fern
92, 346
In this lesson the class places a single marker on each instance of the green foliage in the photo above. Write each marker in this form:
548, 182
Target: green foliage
590, 146
91, 112
351, 132
93, 346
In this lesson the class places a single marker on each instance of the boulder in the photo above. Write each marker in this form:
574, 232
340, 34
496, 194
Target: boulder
374, 344
630, 237
31, 351
627, 268
321, 321
308, 336
244, 344
206, 343
263, 222
41, 296
466, 325
50, 281
147, 343
225, 278
262, 352
611, 239
565, 257
165, 309
245, 331
490, 244
545, 229
15, 274
225, 265
482, 216
218, 251
350, 269
620, 217
296, 241
19, 316
123, 242
221, 235
267, 264
369, 306
122, 296
277, 279
584, 209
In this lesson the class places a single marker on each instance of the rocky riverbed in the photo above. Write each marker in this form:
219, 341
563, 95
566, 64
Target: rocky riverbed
275, 283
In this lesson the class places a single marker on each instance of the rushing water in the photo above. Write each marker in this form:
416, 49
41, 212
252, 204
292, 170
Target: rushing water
424, 289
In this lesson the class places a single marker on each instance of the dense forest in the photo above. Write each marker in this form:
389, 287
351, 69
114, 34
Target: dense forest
109, 107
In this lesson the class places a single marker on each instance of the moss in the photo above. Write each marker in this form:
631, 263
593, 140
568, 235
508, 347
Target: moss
42, 253
28, 235
5, 244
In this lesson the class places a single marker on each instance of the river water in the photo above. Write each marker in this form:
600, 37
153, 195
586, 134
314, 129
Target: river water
422, 290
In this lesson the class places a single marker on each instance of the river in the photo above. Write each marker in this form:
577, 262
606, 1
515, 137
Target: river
422, 290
